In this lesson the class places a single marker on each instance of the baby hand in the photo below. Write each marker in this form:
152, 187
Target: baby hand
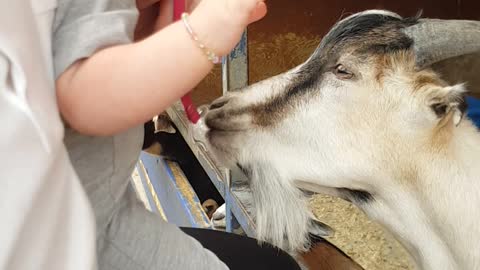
219, 24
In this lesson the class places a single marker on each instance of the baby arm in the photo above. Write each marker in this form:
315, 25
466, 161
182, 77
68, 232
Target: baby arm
122, 86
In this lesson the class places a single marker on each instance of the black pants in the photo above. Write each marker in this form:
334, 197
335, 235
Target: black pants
242, 253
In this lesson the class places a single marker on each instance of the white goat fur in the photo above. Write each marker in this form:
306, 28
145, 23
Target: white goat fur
378, 136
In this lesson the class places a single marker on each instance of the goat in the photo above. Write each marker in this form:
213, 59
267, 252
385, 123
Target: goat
364, 119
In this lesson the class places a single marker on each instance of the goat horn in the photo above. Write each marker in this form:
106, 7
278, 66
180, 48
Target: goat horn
436, 40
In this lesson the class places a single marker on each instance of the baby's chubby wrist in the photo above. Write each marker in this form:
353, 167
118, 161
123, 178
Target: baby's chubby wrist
214, 28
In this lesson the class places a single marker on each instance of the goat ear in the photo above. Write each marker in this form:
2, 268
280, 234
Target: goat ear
449, 103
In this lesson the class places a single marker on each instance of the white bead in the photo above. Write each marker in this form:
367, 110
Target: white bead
210, 55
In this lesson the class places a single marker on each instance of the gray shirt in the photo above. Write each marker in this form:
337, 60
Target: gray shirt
105, 164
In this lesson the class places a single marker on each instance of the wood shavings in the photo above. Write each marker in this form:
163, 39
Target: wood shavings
362, 239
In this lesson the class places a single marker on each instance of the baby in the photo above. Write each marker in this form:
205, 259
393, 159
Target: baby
107, 87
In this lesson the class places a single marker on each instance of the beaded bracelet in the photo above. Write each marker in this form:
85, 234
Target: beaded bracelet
210, 55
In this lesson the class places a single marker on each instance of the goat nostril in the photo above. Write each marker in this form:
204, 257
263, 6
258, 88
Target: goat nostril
217, 105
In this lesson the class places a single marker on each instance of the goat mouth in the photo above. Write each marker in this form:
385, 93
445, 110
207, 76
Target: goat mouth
214, 135
221, 146
227, 121
224, 126
221, 139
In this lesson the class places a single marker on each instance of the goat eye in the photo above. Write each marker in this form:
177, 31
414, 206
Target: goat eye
342, 72
439, 109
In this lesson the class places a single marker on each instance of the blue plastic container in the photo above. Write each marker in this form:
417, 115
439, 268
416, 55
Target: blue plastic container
473, 111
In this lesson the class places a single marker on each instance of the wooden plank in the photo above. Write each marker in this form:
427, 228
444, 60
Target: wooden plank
469, 9
177, 198
152, 199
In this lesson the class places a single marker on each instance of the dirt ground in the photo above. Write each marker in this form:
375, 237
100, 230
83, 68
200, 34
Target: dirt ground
362, 239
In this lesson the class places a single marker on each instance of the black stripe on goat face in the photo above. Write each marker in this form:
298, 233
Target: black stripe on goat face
363, 36
358, 197
246, 170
